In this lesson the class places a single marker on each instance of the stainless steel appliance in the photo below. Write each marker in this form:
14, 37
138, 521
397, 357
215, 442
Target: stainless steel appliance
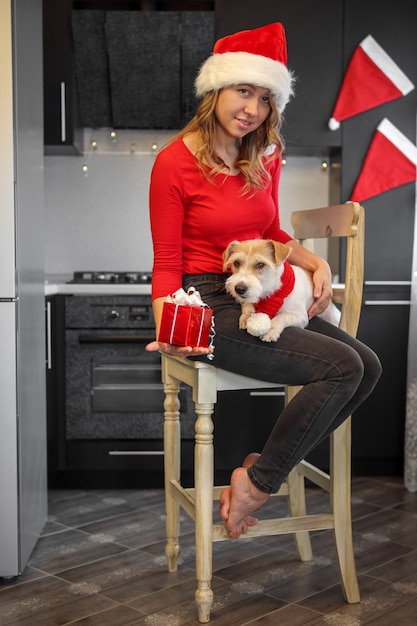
112, 278
112, 416
23, 508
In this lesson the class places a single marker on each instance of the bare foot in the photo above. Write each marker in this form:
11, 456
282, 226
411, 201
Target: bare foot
238, 501
224, 501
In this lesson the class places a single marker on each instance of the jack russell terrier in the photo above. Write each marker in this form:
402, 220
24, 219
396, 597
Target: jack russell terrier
273, 293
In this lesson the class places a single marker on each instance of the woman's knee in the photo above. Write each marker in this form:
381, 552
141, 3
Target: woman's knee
351, 366
372, 370
365, 368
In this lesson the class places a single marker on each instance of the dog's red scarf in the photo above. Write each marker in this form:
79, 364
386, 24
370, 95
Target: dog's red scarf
272, 304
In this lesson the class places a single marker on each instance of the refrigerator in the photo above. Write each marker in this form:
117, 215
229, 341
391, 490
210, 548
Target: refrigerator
23, 486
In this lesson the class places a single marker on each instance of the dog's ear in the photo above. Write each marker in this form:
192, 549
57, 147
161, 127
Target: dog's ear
281, 251
228, 253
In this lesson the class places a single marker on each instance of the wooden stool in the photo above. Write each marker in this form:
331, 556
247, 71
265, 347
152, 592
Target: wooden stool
343, 221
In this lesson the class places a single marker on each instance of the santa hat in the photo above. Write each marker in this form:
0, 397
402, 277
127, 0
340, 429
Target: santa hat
256, 57
391, 161
372, 78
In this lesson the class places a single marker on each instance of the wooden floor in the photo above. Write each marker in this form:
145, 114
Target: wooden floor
100, 562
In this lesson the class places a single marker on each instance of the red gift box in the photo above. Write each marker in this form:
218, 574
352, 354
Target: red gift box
185, 325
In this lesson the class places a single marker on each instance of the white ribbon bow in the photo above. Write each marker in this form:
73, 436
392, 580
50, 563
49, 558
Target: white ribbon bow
190, 298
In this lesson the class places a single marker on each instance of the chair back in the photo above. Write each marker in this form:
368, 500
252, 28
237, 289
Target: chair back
343, 221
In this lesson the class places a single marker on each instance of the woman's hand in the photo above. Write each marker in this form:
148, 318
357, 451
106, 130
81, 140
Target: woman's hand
321, 273
172, 350
322, 289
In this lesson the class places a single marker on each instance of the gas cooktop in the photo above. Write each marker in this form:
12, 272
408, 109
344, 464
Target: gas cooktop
112, 278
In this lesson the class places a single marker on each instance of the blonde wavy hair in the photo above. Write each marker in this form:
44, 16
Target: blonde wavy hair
251, 158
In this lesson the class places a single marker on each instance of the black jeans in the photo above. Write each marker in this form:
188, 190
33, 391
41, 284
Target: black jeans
337, 373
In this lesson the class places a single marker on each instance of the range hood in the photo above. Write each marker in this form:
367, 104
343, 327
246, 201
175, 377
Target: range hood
136, 69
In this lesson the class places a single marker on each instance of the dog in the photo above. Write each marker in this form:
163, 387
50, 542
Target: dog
273, 294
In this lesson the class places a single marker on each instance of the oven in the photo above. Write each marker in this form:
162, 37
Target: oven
105, 395
112, 412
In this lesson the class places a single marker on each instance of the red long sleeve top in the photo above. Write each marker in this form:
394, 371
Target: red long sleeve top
193, 218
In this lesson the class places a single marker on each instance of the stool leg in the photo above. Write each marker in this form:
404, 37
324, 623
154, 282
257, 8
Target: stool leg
203, 483
340, 498
297, 507
172, 461
297, 497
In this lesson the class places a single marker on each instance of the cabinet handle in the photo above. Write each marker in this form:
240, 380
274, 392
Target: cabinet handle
390, 283
115, 338
136, 452
48, 337
63, 114
387, 302
267, 393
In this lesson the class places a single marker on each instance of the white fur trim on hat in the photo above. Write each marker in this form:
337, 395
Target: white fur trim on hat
234, 68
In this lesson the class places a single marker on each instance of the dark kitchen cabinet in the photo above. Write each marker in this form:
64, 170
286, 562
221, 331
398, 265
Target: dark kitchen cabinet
314, 38
119, 68
62, 131
378, 425
91, 67
149, 82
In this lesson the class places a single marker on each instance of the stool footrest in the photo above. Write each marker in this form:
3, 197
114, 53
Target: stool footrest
315, 475
184, 498
280, 527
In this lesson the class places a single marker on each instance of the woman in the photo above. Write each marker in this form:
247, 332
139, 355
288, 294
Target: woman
218, 181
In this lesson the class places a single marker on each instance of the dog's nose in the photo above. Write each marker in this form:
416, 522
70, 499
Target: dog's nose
241, 289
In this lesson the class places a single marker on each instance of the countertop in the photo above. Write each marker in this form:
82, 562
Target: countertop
58, 285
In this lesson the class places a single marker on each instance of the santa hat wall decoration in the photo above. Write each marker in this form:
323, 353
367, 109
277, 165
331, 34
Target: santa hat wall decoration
391, 161
372, 78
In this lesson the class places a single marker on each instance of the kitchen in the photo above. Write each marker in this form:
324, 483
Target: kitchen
96, 208
89, 229
322, 167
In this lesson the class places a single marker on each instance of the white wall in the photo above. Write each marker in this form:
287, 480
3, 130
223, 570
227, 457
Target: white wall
100, 221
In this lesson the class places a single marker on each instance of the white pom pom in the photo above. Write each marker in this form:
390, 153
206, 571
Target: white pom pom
258, 324
333, 124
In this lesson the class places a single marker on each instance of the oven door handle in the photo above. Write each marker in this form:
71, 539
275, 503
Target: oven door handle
88, 338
